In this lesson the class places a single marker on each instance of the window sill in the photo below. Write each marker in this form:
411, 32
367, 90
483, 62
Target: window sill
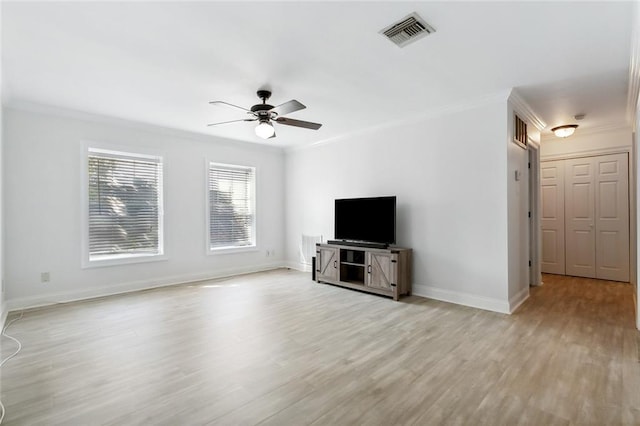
117, 260
232, 250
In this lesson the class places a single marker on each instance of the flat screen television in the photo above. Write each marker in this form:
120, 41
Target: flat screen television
366, 219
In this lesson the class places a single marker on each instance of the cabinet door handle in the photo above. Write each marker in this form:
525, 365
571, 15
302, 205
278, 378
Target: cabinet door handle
369, 269
335, 264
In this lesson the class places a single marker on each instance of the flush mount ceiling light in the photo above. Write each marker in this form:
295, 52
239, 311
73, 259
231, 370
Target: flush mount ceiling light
265, 130
564, 131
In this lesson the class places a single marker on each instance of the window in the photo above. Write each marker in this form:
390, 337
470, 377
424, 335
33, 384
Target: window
231, 206
125, 205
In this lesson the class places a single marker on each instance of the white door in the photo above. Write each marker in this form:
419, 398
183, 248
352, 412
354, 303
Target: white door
552, 182
612, 217
580, 233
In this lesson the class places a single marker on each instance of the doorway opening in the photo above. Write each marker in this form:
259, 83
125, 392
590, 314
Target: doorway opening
585, 216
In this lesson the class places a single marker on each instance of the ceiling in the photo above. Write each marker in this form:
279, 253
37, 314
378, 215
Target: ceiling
161, 63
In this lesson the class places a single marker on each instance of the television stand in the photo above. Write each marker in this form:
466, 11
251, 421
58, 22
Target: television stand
384, 271
358, 244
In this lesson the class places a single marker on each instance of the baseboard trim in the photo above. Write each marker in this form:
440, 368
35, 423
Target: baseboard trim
518, 299
73, 296
459, 298
302, 267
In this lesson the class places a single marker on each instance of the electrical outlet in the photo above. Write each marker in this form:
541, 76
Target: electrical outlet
45, 277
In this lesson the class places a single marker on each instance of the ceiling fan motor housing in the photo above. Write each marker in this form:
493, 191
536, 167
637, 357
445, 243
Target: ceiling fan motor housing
262, 110
264, 95
261, 107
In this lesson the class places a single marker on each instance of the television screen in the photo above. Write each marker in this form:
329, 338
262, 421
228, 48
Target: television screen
366, 219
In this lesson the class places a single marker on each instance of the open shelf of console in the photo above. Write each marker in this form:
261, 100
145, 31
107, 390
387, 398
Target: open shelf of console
375, 270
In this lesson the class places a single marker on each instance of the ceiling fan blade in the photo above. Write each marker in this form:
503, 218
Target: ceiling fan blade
232, 121
298, 123
288, 107
228, 104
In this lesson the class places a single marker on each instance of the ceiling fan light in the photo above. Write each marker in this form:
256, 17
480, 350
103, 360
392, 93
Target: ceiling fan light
564, 131
265, 130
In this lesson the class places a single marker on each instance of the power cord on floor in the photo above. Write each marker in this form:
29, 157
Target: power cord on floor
4, 333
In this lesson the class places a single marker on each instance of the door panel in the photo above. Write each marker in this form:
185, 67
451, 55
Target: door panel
327, 261
550, 246
580, 217
380, 270
553, 229
610, 250
612, 217
608, 203
550, 207
583, 256
582, 201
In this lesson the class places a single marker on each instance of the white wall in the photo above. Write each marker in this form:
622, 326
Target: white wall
42, 170
448, 174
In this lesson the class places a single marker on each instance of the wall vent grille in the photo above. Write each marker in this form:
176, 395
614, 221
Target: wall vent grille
408, 30
520, 132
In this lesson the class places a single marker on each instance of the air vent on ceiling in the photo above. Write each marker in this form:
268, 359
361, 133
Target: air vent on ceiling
408, 30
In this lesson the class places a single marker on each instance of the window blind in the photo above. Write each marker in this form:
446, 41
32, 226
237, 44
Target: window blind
125, 196
231, 206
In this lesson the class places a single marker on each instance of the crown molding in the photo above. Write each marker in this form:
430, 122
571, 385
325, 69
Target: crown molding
501, 96
634, 69
60, 112
523, 108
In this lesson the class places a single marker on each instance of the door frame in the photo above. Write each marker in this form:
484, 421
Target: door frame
535, 221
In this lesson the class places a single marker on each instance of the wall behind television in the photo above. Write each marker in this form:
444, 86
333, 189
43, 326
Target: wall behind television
448, 173
42, 160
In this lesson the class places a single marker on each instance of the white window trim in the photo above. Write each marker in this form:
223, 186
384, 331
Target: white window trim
88, 147
230, 250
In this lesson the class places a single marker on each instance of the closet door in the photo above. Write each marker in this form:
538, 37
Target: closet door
552, 182
612, 217
580, 231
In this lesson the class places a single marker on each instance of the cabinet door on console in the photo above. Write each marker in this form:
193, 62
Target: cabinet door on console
381, 271
327, 263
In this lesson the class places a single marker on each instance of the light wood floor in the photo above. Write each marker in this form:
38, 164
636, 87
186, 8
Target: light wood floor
275, 348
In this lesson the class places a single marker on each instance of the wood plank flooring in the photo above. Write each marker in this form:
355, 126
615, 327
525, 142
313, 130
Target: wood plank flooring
276, 348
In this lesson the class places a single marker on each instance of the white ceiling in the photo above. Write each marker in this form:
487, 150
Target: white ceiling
161, 63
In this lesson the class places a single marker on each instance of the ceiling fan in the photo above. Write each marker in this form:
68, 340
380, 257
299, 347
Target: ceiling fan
266, 114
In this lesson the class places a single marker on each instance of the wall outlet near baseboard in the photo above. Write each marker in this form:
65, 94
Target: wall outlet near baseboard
45, 277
